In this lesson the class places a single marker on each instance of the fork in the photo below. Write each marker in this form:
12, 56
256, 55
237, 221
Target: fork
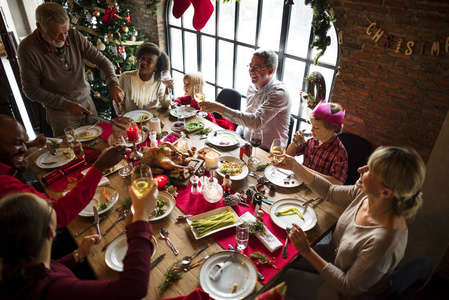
284, 252
219, 267
122, 216
305, 204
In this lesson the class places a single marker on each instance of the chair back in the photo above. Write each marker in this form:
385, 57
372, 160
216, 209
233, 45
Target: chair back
411, 277
359, 150
229, 98
290, 129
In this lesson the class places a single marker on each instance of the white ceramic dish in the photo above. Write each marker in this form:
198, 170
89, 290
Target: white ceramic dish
136, 114
308, 213
279, 177
117, 250
229, 158
183, 112
208, 214
112, 195
223, 138
95, 131
49, 161
238, 270
169, 205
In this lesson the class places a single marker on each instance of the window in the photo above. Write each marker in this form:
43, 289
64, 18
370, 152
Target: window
224, 47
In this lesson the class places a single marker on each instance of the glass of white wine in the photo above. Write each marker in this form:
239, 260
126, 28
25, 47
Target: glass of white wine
277, 151
142, 179
198, 94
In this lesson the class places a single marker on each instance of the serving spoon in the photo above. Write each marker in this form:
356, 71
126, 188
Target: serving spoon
164, 235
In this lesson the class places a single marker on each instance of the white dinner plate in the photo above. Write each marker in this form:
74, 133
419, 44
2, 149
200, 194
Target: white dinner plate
112, 195
95, 132
208, 214
112, 140
239, 271
169, 205
279, 177
308, 213
223, 138
55, 140
183, 112
117, 250
137, 114
229, 158
49, 161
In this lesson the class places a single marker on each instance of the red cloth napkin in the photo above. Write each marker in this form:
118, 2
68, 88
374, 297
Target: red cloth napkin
197, 294
196, 204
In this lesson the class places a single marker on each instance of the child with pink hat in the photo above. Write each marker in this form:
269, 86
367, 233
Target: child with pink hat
323, 152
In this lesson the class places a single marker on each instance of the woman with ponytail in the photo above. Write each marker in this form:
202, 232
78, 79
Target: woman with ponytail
370, 237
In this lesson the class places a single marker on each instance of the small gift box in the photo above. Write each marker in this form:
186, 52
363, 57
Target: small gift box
245, 150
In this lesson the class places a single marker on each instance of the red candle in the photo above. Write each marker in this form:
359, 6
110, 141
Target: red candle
133, 134
161, 181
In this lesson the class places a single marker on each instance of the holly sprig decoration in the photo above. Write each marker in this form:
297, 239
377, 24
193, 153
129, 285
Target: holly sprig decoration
172, 275
256, 227
262, 259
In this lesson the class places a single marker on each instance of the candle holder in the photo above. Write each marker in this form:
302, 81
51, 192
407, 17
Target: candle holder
136, 155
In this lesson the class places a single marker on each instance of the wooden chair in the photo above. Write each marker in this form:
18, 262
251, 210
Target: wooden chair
359, 150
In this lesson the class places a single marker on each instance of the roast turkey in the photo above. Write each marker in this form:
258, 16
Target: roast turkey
166, 156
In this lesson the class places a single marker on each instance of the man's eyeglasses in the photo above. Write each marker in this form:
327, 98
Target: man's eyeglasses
64, 61
256, 68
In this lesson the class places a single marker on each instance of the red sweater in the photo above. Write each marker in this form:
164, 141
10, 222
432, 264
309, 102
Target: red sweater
59, 282
66, 207
188, 100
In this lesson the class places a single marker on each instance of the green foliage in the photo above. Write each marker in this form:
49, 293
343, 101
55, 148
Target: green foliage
152, 6
320, 25
121, 32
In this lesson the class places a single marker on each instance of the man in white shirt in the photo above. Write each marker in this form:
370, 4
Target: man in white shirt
268, 102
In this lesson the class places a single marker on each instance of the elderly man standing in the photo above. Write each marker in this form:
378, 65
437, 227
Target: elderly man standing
52, 69
268, 102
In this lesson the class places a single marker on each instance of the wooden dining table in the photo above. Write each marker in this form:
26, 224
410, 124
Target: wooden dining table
180, 232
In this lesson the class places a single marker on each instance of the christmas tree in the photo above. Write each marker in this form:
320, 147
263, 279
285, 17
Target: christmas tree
108, 25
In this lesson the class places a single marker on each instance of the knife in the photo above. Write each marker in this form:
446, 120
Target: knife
109, 122
261, 277
156, 261
84, 230
97, 220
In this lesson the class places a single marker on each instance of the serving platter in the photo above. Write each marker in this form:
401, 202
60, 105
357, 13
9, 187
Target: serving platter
237, 280
209, 214
310, 218
117, 250
99, 194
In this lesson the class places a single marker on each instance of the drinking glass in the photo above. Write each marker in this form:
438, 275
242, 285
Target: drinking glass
277, 151
142, 179
242, 236
166, 79
199, 96
256, 138
69, 135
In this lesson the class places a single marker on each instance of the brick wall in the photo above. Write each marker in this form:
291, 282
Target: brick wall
393, 98
390, 98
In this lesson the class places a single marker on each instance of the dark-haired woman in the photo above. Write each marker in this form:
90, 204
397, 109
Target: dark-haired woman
143, 87
28, 228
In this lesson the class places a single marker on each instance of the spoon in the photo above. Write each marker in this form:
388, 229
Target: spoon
164, 235
186, 260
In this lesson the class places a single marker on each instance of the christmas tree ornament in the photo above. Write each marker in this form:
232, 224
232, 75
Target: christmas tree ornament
111, 3
110, 35
132, 59
118, 34
128, 18
135, 33
109, 16
125, 28
96, 13
179, 7
100, 45
74, 20
97, 95
132, 38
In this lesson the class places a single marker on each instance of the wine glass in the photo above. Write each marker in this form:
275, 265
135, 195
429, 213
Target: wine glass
199, 96
277, 152
142, 179
256, 138
167, 80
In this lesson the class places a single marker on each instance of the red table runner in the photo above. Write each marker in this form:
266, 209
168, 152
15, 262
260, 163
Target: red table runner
196, 204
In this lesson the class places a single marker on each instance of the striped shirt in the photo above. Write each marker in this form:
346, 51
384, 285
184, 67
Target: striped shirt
329, 158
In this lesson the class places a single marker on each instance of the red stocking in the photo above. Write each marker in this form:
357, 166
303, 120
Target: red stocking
203, 11
179, 7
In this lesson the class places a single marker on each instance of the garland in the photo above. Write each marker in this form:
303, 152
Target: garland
320, 24
152, 6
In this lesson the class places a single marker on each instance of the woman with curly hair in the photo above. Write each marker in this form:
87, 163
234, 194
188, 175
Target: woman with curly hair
143, 87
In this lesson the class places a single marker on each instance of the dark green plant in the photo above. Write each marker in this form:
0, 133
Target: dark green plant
152, 6
321, 22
